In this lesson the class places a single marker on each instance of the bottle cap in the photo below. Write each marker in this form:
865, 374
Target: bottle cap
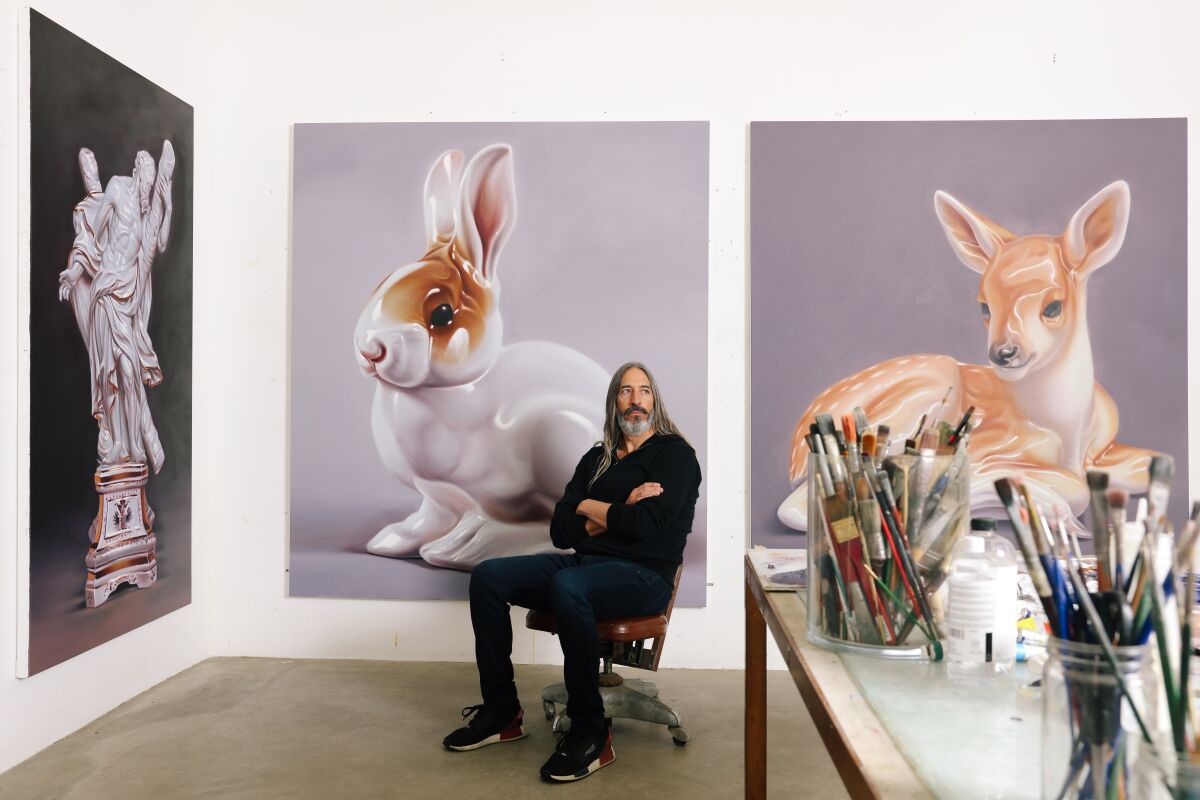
983, 524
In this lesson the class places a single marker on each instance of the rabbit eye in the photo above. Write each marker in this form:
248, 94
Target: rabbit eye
1052, 310
442, 316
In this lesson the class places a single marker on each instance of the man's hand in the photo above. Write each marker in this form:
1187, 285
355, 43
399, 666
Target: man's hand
593, 528
649, 489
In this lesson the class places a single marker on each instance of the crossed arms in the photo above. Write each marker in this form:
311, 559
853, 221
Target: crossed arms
646, 511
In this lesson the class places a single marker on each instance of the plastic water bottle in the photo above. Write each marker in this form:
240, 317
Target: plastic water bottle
981, 604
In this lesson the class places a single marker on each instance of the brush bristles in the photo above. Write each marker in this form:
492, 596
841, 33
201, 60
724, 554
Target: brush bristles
1117, 498
1005, 490
1162, 468
825, 424
860, 418
1196, 510
1097, 480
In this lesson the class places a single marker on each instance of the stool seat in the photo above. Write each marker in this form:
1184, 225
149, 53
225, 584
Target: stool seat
621, 629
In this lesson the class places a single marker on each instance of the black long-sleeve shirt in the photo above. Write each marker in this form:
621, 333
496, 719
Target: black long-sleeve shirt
652, 531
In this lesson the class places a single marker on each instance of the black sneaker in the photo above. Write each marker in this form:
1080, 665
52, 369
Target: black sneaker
578, 756
489, 726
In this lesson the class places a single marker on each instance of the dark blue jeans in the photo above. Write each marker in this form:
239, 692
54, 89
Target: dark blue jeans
579, 590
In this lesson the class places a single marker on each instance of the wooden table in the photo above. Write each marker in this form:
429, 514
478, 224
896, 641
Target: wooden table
864, 753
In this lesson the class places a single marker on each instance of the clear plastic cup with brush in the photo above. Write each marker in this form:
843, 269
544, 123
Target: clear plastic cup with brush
880, 543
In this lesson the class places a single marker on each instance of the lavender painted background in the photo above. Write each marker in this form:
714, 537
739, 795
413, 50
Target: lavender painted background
609, 256
844, 239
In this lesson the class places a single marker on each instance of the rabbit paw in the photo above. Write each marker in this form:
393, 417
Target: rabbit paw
404, 539
793, 511
476, 539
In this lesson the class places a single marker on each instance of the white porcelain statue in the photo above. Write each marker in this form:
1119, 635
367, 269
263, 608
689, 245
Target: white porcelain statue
118, 231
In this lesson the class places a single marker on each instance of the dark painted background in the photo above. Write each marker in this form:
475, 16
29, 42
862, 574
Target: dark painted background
80, 97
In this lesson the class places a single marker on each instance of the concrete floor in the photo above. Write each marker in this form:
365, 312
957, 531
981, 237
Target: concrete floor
267, 728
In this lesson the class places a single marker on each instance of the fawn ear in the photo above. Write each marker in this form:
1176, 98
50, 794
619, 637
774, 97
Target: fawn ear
974, 238
440, 186
487, 208
1097, 231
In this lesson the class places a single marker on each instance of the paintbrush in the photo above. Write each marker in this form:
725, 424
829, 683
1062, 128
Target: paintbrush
1044, 543
868, 515
817, 447
938, 505
1185, 632
1186, 542
867, 449
867, 508
1158, 619
919, 484
847, 539
843, 598
894, 532
963, 427
1097, 486
1029, 550
1162, 469
853, 461
897, 491
860, 425
940, 413
831, 446
881, 440
1116, 525
911, 442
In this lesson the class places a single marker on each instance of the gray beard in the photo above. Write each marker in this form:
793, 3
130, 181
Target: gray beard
634, 427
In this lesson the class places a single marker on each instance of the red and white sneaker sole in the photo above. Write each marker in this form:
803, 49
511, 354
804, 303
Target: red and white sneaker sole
506, 735
606, 757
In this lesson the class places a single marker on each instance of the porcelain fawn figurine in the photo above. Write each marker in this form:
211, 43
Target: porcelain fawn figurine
487, 434
1041, 414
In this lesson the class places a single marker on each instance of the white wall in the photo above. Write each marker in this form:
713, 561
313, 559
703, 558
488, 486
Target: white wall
252, 69
39, 710
617, 60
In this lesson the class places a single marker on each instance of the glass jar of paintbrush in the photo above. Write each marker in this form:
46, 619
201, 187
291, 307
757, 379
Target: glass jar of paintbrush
1094, 705
1120, 648
881, 532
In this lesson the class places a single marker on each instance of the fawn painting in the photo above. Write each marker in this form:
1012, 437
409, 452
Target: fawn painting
1039, 382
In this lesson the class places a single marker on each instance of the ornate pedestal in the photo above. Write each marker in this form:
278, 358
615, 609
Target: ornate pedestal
123, 543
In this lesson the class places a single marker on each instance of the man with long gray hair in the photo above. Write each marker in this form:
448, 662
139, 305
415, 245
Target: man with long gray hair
626, 513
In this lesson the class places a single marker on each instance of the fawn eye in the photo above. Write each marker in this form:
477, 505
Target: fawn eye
442, 316
987, 312
1052, 310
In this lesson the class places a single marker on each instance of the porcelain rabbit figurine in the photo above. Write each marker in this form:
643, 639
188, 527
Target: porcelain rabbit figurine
488, 434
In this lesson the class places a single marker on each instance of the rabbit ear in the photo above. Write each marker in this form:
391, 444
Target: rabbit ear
974, 237
440, 186
487, 208
1097, 230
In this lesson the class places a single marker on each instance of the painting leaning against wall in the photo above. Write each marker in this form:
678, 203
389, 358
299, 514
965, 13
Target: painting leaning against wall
436, 419
109, 211
1074, 271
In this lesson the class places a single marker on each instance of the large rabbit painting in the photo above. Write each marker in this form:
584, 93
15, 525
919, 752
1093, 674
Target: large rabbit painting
1064, 333
462, 293
488, 434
